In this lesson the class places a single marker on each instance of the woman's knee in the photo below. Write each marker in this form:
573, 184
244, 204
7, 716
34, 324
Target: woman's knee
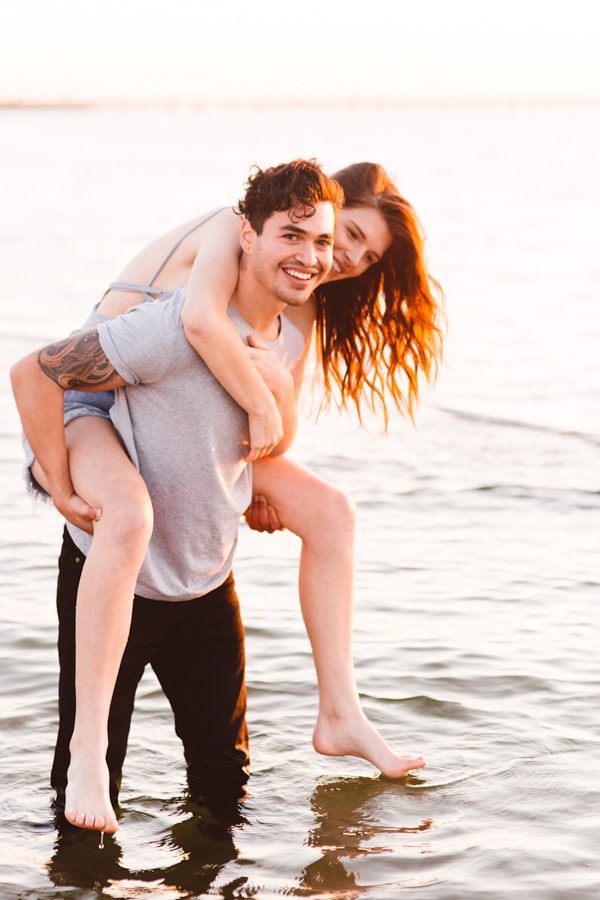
339, 507
330, 511
127, 515
306, 504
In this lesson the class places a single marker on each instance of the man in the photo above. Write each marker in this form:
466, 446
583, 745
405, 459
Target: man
187, 438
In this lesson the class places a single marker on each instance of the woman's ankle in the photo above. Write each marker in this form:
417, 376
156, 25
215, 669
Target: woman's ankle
340, 710
88, 744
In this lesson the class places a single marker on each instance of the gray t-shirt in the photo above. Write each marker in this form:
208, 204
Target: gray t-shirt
188, 439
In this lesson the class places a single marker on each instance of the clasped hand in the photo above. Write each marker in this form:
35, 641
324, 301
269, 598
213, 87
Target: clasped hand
266, 426
76, 511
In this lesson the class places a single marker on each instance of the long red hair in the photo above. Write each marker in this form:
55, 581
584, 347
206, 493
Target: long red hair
379, 334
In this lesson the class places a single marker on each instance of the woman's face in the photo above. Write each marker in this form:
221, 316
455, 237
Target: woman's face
361, 238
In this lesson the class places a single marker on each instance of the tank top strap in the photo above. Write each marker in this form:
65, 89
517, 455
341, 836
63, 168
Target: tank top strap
180, 242
133, 288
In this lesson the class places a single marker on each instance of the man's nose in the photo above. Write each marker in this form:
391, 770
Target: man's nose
306, 255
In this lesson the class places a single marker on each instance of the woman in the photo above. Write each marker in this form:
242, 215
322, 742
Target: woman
376, 325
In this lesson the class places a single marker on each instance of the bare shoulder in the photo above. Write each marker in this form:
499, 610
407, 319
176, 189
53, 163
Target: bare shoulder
187, 238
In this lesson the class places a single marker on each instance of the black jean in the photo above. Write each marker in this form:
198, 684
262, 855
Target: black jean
196, 648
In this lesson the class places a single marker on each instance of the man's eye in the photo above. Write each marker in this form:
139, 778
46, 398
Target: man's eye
325, 243
290, 237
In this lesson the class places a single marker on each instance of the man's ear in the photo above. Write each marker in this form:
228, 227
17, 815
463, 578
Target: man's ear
247, 236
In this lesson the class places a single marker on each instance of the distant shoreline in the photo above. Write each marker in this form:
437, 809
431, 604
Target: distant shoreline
299, 104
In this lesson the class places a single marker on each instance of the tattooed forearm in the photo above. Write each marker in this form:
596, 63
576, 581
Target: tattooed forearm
78, 363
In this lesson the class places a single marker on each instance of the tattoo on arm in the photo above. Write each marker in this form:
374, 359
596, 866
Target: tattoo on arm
78, 363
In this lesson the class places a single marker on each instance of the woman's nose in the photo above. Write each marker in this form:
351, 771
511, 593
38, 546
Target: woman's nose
354, 256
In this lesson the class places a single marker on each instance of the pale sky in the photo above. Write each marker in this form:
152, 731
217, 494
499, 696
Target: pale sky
272, 50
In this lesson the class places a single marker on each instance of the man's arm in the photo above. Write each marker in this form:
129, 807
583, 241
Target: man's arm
38, 382
79, 363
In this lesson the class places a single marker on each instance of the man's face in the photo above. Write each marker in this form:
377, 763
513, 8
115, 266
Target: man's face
290, 258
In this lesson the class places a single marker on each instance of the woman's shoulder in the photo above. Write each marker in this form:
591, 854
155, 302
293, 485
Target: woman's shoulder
172, 254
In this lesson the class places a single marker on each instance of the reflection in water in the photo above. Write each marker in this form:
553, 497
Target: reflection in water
203, 843
348, 815
77, 860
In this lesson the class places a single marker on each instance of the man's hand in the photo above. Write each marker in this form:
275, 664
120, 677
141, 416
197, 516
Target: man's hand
261, 516
77, 511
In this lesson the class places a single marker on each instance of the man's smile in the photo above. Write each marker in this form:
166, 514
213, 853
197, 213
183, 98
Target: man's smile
299, 275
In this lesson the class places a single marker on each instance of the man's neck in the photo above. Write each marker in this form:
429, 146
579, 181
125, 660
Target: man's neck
260, 309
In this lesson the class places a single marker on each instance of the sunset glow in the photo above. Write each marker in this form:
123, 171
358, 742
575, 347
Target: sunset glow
186, 52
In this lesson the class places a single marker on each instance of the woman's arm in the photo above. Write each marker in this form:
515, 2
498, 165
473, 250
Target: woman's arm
213, 336
260, 515
282, 384
285, 384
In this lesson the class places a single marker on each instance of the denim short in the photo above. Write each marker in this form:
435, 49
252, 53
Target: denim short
82, 403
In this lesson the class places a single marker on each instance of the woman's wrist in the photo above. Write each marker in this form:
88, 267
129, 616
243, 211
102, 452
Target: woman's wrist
263, 405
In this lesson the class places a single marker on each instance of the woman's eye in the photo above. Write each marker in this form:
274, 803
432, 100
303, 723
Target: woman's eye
352, 234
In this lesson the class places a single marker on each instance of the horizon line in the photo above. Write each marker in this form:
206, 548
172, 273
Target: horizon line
295, 103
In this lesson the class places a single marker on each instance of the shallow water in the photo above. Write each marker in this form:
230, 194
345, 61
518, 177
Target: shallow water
477, 573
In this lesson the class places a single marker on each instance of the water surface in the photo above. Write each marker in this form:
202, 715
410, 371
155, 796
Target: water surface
477, 573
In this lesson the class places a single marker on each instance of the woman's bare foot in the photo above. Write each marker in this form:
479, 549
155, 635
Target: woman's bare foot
87, 799
353, 735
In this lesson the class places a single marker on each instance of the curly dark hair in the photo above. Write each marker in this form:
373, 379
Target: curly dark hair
378, 333
296, 186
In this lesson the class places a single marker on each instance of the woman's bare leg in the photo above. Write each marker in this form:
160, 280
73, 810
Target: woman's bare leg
103, 475
324, 518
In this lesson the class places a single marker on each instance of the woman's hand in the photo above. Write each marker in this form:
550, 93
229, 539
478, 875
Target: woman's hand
266, 426
76, 511
266, 431
261, 516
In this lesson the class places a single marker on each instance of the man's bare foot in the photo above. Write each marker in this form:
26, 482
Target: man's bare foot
353, 735
87, 799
